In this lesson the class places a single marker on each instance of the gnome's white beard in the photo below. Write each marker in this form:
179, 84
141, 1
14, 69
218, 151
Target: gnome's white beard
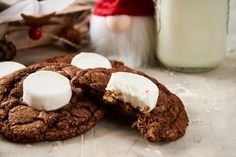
135, 46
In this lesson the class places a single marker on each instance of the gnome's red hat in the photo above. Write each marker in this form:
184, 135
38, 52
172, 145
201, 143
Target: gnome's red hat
124, 7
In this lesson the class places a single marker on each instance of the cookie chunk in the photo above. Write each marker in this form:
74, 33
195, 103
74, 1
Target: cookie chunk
21, 123
166, 122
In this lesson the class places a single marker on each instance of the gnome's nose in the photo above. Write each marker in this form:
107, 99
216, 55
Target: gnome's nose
118, 23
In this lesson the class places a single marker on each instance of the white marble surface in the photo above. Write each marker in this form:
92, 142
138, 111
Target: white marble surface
210, 100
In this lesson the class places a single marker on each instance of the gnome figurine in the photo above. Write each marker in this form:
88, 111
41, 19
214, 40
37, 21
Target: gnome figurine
124, 30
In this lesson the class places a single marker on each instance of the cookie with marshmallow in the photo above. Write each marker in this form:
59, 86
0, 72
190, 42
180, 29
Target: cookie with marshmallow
87, 62
38, 103
159, 114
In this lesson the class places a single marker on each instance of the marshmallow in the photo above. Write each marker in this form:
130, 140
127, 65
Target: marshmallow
90, 60
9, 67
46, 90
140, 92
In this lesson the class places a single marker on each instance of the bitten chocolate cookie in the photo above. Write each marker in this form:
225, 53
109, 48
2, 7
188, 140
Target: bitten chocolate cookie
166, 122
68, 58
21, 123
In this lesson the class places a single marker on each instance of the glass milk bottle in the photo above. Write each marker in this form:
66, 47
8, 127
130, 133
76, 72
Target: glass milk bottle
191, 33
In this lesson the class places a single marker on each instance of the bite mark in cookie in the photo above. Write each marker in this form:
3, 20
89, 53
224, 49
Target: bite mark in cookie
140, 92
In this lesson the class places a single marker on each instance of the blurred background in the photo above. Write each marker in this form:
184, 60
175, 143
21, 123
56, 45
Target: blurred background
232, 25
232, 21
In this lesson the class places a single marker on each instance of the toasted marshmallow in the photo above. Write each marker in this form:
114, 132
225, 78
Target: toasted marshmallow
140, 92
8, 67
90, 60
46, 90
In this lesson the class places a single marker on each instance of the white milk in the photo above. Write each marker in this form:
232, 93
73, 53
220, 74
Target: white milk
192, 33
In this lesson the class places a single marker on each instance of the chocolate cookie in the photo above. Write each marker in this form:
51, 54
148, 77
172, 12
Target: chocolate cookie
61, 59
166, 122
67, 59
21, 123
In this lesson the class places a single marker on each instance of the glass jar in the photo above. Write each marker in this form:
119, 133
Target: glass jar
191, 33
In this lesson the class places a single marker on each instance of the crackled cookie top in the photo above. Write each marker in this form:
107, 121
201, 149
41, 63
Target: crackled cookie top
22, 123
